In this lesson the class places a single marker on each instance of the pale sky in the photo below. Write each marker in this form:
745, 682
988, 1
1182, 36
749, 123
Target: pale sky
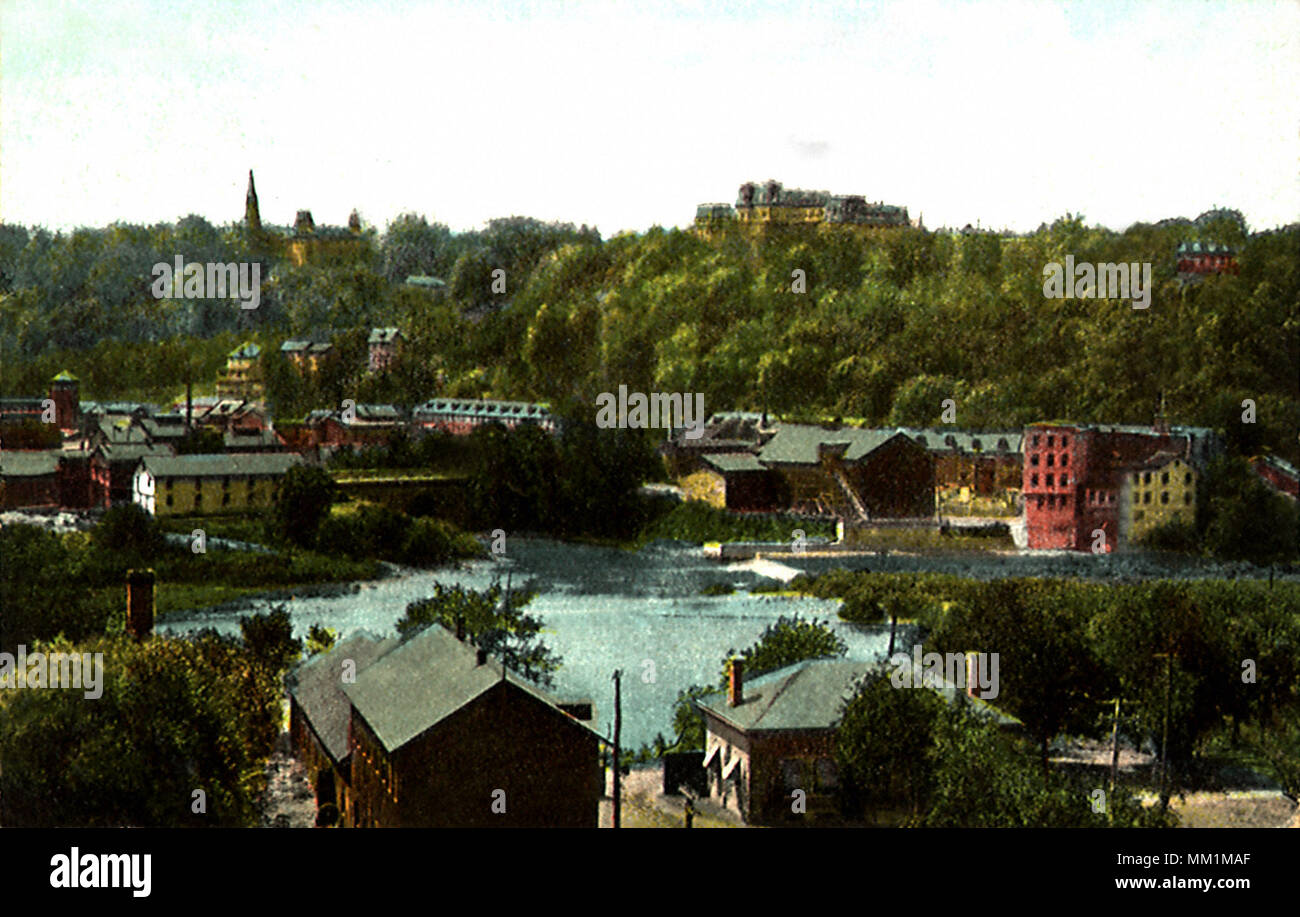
624, 116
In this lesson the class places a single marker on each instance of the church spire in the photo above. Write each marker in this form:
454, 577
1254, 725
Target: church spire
252, 216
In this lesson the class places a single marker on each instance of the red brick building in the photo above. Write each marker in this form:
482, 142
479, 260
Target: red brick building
1074, 475
1279, 474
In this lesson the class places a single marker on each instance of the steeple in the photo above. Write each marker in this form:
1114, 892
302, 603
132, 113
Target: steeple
252, 216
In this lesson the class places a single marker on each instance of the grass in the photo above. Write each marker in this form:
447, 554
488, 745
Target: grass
170, 597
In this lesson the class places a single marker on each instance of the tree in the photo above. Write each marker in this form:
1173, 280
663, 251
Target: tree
788, 640
269, 639
493, 620
882, 747
306, 494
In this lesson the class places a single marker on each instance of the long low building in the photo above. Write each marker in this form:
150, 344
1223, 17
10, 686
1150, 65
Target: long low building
191, 485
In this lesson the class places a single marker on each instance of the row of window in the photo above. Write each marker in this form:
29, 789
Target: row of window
1051, 440
1164, 478
1164, 497
1051, 480
1051, 459
1054, 500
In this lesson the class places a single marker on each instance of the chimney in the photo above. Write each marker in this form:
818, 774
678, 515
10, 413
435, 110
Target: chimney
736, 683
481, 656
139, 603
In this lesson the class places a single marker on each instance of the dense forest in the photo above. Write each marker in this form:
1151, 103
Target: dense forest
892, 322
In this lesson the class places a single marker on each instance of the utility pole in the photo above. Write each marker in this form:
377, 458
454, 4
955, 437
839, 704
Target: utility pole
618, 727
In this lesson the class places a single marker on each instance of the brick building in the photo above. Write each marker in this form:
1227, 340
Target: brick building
1075, 474
442, 735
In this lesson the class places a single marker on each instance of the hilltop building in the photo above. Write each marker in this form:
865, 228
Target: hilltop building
771, 203
307, 243
242, 377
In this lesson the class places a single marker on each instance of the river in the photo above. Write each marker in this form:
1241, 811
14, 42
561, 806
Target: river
641, 611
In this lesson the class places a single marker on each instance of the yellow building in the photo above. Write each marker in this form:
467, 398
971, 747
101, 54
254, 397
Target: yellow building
772, 204
200, 485
243, 376
1160, 491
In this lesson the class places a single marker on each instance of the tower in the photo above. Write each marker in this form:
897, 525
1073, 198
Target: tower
252, 216
65, 392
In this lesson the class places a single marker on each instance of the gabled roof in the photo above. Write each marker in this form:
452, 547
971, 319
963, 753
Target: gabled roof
15, 464
318, 688
427, 679
213, 465
799, 444
811, 695
246, 351
734, 462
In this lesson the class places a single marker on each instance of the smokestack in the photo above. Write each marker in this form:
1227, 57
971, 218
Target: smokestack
139, 603
736, 683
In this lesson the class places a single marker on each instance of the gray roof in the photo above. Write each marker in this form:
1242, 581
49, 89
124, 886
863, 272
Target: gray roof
122, 430
999, 441
258, 438
798, 444
427, 679
480, 407
119, 452
15, 464
384, 335
318, 688
734, 462
218, 466
811, 695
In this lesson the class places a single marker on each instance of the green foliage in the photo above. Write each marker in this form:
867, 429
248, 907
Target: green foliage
374, 530
699, 522
175, 716
306, 493
1242, 518
269, 639
493, 620
784, 642
131, 532
320, 639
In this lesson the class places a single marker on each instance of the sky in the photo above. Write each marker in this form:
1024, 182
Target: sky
625, 116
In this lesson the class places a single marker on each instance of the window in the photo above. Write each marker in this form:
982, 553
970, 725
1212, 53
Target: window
225, 499
1065, 480
828, 775
1187, 497
169, 499
1051, 459
1065, 459
1040, 502
1146, 478
1187, 478
1164, 496
1135, 478
1146, 496
1065, 441
1051, 480
1033, 459
1033, 480
1035, 439
1050, 440
1164, 478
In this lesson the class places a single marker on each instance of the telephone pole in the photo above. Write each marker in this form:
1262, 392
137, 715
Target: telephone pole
618, 727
